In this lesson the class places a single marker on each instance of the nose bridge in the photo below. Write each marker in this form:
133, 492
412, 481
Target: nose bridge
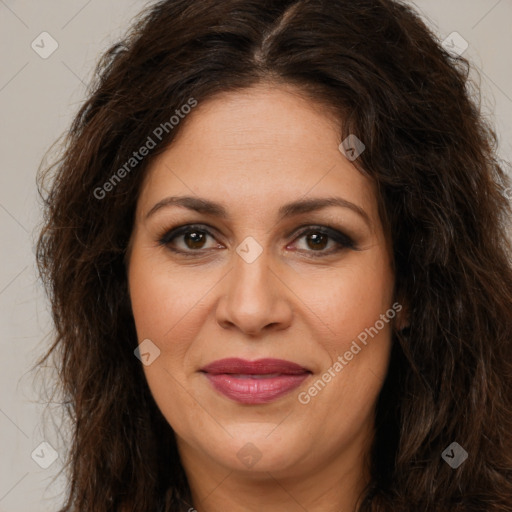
250, 285
252, 299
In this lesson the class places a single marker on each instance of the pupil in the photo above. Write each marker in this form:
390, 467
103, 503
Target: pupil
195, 239
318, 239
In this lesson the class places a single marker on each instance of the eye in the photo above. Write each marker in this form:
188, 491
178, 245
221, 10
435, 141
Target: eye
317, 238
192, 238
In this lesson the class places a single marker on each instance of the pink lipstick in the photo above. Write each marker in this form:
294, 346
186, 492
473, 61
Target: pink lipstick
254, 382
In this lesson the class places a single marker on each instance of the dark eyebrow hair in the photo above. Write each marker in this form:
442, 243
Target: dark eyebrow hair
206, 206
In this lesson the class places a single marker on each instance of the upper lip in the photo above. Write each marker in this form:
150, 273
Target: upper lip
257, 367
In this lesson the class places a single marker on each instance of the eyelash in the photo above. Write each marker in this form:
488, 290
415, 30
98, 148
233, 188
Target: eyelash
343, 240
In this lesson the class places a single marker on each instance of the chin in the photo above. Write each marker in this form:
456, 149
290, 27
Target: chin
256, 449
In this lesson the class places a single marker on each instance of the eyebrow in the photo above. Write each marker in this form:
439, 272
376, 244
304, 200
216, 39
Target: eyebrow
298, 207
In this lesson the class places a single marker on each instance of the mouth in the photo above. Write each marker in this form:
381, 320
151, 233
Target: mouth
254, 382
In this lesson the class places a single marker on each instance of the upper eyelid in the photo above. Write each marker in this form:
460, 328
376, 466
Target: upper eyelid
210, 230
187, 227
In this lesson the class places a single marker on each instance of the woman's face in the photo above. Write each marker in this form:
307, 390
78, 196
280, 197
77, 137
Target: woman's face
265, 270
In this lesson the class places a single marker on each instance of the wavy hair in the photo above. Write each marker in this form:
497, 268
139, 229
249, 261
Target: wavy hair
442, 198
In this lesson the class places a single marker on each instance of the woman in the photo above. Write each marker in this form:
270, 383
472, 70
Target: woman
276, 251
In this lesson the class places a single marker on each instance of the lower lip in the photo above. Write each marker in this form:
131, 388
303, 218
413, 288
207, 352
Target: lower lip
247, 390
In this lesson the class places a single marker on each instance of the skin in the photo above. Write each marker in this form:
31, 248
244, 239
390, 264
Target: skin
252, 151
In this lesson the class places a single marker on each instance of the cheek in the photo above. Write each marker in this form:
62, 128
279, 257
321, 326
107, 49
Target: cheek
167, 310
357, 309
351, 300
359, 313
164, 298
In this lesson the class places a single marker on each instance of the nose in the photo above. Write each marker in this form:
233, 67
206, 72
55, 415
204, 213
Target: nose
255, 298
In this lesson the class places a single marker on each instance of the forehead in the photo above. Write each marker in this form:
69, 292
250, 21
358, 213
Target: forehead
257, 147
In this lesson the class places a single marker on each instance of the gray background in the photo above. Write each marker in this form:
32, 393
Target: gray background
38, 98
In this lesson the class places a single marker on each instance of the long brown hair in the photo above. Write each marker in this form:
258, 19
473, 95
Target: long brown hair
441, 196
